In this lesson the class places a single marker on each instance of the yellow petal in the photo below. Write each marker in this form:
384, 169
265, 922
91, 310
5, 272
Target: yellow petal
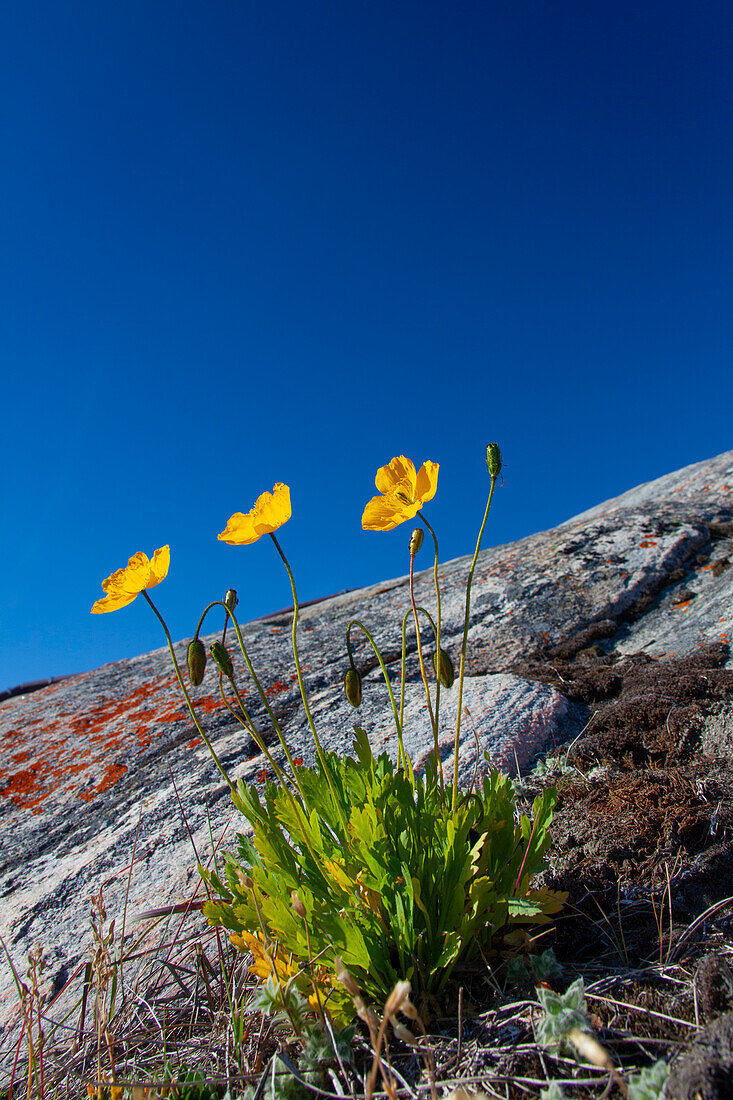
389, 476
134, 577
125, 584
385, 513
427, 481
273, 509
240, 530
270, 511
112, 602
159, 566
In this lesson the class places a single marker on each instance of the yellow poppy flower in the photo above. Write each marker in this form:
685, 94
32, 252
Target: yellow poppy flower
403, 493
271, 511
126, 584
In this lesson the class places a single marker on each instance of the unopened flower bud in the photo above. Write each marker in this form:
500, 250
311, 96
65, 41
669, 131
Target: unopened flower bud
297, 904
196, 661
416, 540
230, 599
404, 1033
222, 658
444, 669
352, 687
400, 993
493, 459
347, 980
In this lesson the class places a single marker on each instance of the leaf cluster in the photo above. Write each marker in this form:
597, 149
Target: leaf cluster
386, 875
563, 1012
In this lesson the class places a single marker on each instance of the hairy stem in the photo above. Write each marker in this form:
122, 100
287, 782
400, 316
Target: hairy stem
465, 640
423, 673
375, 647
187, 697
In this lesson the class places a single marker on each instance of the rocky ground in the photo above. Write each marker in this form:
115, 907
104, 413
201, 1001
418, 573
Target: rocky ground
604, 641
643, 844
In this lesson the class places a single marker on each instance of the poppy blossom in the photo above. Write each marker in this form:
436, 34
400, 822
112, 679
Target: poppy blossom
270, 511
126, 584
403, 493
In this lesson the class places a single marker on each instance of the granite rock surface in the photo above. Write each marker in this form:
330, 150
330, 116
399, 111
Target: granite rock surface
104, 781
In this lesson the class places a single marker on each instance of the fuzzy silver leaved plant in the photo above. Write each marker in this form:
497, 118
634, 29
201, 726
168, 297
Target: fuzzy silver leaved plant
649, 1083
563, 1012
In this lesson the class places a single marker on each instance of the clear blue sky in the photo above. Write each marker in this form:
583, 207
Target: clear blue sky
250, 242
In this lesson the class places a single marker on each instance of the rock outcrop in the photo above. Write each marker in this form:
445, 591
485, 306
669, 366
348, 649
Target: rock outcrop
107, 765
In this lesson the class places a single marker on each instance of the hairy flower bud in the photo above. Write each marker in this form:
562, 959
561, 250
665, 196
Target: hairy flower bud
297, 904
493, 459
222, 658
230, 599
445, 669
352, 687
347, 980
196, 661
416, 540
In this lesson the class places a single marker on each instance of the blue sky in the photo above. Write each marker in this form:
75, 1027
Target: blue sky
252, 242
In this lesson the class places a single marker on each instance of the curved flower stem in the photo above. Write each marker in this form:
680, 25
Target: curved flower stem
465, 640
375, 647
205, 612
423, 673
440, 613
300, 808
187, 697
246, 722
405, 617
301, 685
338, 802
275, 724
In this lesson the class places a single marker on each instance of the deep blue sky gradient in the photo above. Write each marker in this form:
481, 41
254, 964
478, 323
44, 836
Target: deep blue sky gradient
250, 242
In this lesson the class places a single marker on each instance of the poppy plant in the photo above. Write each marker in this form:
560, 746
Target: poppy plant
403, 493
271, 510
126, 584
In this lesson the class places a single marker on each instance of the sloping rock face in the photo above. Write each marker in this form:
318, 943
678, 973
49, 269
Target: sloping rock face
105, 782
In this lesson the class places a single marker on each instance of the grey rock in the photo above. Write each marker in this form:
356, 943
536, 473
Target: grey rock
704, 1071
108, 763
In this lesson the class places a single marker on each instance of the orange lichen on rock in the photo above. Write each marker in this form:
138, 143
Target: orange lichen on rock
111, 774
52, 743
276, 688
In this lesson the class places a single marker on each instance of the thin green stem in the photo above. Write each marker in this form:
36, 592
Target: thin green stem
187, 697
246, 722
301, 685
205, 612
440, 614
375, 647
275, 724
285, 779
404, 656
337, 801
423, 673
465, 641
405, 617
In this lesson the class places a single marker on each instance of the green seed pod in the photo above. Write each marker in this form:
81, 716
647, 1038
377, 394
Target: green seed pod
493, 459
447, 672
416, 540
196, 661
352, 687
223, 660
230, 599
